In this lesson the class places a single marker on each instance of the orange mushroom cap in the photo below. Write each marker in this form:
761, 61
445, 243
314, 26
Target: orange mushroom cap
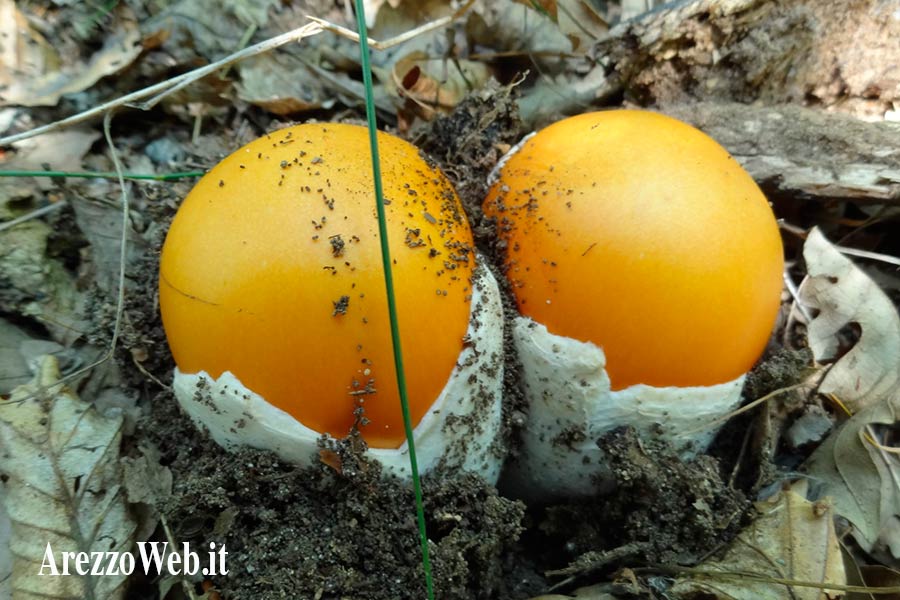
639, 233
272, 270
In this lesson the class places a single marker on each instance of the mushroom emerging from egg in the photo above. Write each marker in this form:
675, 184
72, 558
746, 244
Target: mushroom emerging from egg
647, 268
273, 302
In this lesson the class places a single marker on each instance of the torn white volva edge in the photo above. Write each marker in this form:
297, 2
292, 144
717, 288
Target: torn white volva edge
494, 176
570, 406
462, 428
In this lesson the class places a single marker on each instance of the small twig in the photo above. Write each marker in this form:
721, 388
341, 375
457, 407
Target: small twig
394, 41
745, 576
740, 458
164, 87
593, 561
742, 409
102, 175
885, 258
794, 291
40, 212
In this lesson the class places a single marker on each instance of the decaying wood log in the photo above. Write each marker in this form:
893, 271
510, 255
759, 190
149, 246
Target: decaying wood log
769, 80
841, 54
796, 150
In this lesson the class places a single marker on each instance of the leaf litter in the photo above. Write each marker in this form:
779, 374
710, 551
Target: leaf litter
790, 539
852, 466
63, 486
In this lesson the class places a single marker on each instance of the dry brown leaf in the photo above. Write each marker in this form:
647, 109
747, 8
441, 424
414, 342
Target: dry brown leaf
281, 84
437, 85
63, 486
843, 294
791, 538
37, 285
45, 85
188, 28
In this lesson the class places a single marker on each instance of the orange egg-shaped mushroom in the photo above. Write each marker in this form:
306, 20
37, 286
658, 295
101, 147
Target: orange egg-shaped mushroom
641, 234
272, 271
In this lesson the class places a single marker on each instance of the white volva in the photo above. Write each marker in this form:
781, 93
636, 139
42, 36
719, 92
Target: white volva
571, 405
461, 429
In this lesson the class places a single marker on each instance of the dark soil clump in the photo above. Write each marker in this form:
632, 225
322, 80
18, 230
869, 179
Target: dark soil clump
335, 530
662, 510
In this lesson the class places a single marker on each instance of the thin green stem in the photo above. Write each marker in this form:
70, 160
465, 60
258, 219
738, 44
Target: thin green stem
101, 175
389, 285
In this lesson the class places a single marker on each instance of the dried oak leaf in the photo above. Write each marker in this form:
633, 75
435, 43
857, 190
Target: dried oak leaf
843, 294
61, 460
790, 539
861, 476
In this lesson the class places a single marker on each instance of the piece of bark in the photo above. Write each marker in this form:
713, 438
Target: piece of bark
843, 54
794, 150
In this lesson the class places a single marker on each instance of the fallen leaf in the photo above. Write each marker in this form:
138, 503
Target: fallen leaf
862, 479
45, 86
25, 53
39, 286
145, 479
101, 224
581, 23
791, 538
58, 150
844, 294
63, 487
211, 29
437, 85
13, 368
281, 84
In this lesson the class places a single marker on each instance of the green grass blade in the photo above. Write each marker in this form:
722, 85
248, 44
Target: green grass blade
389, 285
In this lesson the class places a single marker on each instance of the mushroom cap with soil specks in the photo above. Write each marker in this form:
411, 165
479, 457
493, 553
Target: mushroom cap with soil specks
647, 268
641, 234
272, 272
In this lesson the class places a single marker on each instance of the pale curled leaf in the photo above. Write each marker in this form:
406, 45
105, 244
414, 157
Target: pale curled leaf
792, 539
860, 477
46, 87
843, 294
371, 8
61, 458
